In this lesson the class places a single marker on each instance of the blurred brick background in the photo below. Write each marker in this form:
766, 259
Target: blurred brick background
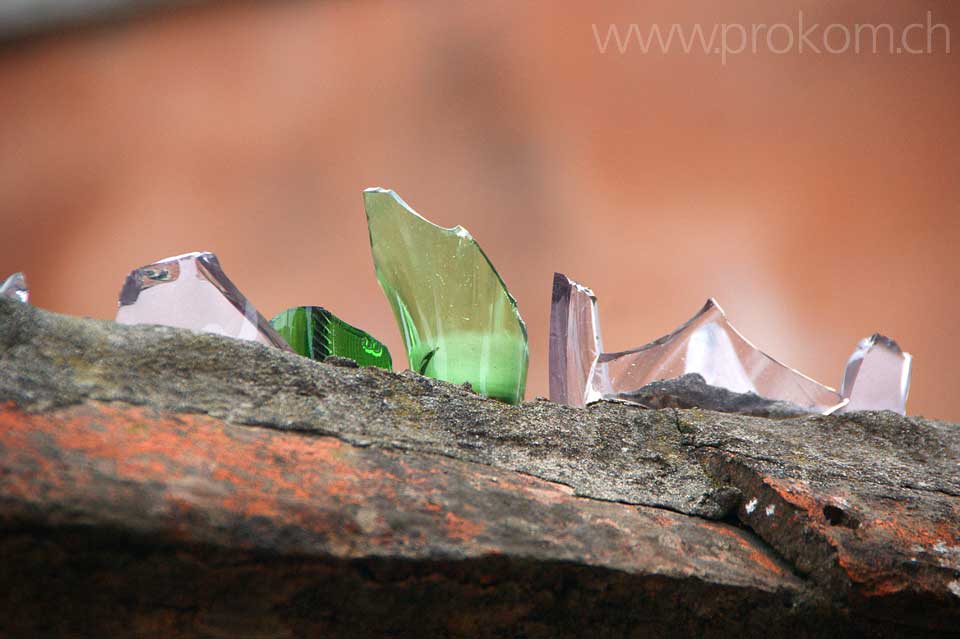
816, 196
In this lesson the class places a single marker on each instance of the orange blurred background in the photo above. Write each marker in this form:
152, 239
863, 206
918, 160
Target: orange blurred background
815, 196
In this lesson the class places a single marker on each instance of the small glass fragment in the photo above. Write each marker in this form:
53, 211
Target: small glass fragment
575, 342
459, 323
317, 333
877, 376
192, 291
707, 345
15, 288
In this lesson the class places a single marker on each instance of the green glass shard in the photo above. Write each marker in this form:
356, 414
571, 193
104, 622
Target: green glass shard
459, 322
317, 333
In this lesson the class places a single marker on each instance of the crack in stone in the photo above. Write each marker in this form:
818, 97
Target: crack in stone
744, 527
609, 453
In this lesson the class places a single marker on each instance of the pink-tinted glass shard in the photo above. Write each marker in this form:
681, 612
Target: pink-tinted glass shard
575, 342
877, 376
192, 291
711, 347
15, 288
707, 345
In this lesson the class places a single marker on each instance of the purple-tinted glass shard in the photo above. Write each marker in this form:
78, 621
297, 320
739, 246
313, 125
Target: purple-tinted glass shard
575, 342
15, 288
707, 345
192, 291
877, 376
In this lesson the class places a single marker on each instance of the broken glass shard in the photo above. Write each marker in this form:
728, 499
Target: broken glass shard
575, 342
192, 291
459, 323
15, 288
877, 376
317, 333
707, 345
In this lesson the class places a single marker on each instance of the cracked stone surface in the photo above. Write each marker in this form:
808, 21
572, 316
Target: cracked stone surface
865, 504
614, 453
157, 482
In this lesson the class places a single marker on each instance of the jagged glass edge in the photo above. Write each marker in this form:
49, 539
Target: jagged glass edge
594, 396
711, 303
457, 230
15, 288
571, 286
906, 377
226, 286
220, 281
855, 361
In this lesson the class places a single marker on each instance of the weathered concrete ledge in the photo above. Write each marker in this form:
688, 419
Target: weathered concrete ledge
156, 482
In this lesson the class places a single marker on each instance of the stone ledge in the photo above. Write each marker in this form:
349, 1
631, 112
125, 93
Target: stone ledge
159, 482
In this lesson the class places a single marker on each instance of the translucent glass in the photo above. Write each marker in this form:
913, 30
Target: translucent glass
15, 288
710, 346
707, 345
459, 323
877, 376
192, 291
317, 333
575, 342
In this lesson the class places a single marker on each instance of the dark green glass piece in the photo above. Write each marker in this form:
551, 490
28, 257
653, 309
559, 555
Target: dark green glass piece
317, 333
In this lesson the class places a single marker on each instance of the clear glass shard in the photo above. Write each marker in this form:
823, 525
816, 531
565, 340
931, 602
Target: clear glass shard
317, 333
15, 288
459, 323
192, 291
877, 376
575, 342
707, 345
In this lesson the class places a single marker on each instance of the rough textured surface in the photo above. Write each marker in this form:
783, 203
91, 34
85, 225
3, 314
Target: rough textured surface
692, 391
154, 482
610, 452
166, 480
866, 504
